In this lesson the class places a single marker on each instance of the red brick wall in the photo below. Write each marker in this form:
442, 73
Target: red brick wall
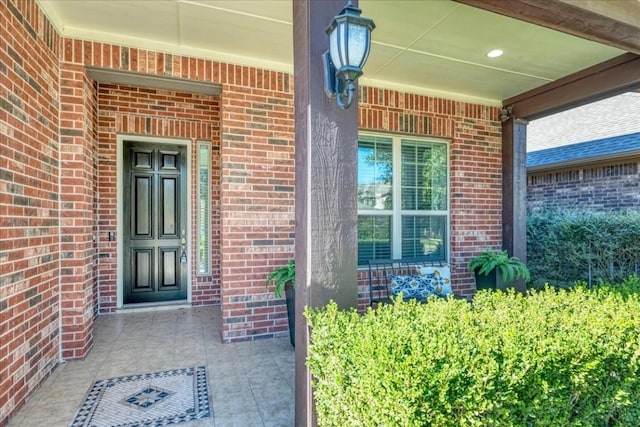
77, 200
257, 200
609, 186
29, 203
256, 172
158, 113
474, 132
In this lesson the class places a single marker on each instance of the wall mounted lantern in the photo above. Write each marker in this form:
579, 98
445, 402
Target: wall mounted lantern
349, 45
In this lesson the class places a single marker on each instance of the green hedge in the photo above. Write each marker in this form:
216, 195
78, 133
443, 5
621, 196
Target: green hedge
566, 246
554, 358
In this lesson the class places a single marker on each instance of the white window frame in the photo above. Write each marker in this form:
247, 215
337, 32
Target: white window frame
396, 188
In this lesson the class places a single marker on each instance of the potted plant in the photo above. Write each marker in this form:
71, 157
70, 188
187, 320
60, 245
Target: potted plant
283, 279
496, 269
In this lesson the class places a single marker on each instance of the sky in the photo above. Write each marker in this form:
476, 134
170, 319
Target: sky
618, 115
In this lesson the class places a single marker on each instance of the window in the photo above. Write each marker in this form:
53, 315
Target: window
403, 198
204, 208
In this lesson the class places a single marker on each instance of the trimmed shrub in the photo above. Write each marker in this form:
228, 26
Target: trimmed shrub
554, 358
565, 246
628, 287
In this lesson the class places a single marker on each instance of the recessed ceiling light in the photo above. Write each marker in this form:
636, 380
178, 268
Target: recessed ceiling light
494, 53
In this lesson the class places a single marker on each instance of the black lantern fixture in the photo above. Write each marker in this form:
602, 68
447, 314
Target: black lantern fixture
349, 45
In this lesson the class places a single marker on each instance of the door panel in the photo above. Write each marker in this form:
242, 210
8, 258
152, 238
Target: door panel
143, 263
143, 159
143, 189
168, 268
155, 209
168, 207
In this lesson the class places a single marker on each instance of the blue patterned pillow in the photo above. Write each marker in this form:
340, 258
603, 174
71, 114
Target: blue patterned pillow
440, 279
411, 287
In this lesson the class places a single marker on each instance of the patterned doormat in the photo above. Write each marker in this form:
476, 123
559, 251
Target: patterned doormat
147, 400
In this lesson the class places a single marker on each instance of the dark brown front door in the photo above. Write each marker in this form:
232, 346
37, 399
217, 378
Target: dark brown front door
155, 229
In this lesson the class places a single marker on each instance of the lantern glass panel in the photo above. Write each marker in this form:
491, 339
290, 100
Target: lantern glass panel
333, 48
357, 44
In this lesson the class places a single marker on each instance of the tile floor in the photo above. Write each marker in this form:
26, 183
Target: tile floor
251, 384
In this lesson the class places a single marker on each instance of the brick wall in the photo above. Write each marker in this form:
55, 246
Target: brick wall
29, 204
256, 162
158, 113
257, 199
77, 201
608, 186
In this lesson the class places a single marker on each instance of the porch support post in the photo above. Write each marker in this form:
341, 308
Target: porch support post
326, 179
514, 190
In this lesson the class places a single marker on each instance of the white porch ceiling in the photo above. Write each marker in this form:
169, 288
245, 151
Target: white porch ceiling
433, 47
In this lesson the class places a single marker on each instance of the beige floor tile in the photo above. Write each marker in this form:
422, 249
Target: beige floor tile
264, 373
274, 400
228, 385
117, 370
234, 404
155, 364
51, 413
279, 418
66, 389
250, 383
206, 422
221, 351
244, 419
222, 369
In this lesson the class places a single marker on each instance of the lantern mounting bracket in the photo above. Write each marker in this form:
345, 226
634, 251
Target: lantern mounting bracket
341, 90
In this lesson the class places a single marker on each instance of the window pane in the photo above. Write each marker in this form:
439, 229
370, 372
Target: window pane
374, 173
424, 236
424, 176
204, 208
435, 178
374, 237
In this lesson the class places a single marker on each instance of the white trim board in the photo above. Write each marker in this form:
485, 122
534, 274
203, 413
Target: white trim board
106, 75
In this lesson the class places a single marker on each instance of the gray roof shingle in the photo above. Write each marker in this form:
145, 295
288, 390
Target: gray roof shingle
586, 151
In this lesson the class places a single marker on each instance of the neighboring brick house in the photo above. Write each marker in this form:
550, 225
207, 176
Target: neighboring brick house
601, 173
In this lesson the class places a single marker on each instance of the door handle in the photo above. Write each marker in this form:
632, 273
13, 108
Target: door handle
183, 257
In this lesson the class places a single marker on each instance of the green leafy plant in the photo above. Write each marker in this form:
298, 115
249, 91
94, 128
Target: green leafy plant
281, 276
555, 357
564, 246
511, 268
